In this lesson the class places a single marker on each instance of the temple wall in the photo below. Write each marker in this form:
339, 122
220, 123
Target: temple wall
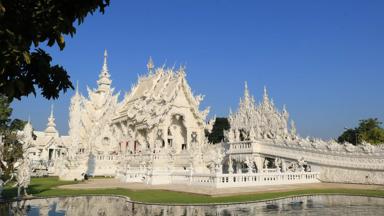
354, 176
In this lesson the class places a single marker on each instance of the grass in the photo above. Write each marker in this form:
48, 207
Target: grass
46, 187
37, 186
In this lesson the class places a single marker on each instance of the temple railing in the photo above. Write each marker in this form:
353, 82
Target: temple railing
316, 153
259, 179
226, 180
240, 147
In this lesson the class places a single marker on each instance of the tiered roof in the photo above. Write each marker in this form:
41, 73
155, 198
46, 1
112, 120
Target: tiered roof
262, 120
154, 94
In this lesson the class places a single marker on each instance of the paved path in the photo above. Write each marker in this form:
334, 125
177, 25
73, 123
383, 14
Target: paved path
114, 183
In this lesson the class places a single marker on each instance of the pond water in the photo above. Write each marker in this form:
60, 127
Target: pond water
105, 206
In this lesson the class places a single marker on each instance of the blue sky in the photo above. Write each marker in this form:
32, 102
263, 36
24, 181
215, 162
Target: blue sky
323, 59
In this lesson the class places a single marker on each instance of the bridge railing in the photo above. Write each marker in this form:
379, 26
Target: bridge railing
240, 147
259, 179
227, 180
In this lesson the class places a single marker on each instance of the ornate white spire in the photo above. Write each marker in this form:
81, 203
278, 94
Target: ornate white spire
265, 95
51, 124
246, 91
150, 65
181, 71
284, 112
246, 103
293, 129
104, 81
77, 87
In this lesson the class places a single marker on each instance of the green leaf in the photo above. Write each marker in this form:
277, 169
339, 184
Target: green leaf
61, 42
2, 8
27, 57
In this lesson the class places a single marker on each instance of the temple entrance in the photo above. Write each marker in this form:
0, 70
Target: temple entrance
177, 133
50, 154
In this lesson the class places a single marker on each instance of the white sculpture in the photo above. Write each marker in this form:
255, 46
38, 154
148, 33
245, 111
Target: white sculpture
23, 166
256, 121
156, 135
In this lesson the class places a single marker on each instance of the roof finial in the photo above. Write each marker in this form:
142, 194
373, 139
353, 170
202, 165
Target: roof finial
51, 124
77, 86
265, 96
182, 70
150, 65
105, 64
247, 98
105, 56
104, 81
246, 91
51, 116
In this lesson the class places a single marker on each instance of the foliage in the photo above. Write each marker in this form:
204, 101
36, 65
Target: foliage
217, 134
369, 130
10, 148
24, 25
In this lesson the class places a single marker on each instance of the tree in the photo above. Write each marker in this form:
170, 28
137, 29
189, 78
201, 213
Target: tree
10, 147
217, 134
369, 130
24, 25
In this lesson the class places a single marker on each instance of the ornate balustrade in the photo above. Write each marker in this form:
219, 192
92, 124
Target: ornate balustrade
259, 179
364, 157
352, 160
226, 180
131, 175
240, 147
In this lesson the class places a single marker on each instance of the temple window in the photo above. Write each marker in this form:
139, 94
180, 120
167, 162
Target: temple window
105, 141
194, 136
50, 154
170, 142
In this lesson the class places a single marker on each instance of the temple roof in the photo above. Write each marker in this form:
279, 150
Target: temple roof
104, 82
51, 126
152, 97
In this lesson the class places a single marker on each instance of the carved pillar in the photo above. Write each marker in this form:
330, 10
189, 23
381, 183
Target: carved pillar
283, 166
238, 167
259, 163
249, 165
230, 165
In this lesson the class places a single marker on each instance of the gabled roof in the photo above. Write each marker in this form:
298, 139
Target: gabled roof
153, 96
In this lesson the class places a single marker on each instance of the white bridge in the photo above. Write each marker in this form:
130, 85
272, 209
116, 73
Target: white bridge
335, 162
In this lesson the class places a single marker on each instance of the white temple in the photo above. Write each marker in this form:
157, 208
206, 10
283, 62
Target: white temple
157, 135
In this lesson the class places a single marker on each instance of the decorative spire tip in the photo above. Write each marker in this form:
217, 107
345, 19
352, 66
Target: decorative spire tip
150, 65
51, 110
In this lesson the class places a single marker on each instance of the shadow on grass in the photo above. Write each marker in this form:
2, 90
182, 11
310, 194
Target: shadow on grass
37, 186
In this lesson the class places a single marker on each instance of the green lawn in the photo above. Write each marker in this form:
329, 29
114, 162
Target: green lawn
43, 187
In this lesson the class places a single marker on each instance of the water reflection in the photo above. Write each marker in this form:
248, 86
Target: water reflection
105, 206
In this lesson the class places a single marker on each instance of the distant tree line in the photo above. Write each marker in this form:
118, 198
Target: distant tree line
217, 133
368, 130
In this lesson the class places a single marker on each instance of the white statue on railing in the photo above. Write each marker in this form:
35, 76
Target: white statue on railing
249, 163
278, 164
23, 171
23, 166
230, 165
